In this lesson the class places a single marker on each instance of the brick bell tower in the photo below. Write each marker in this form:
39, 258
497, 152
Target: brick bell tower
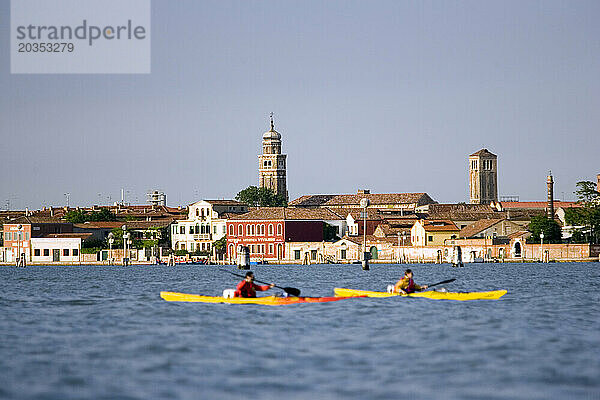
272, 164
483, 177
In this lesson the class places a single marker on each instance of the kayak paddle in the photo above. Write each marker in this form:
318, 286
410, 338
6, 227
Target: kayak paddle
441, 283
289, 290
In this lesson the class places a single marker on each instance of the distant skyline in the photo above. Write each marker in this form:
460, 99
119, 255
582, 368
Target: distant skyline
388, 96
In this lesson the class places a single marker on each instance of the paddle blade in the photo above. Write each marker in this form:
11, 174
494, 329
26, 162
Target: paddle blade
292, 291
442, 282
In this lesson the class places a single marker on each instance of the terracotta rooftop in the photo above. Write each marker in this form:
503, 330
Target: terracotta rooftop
225, 202
35, 219
376, 199
311, 200
440, 226
538, 204
479, 226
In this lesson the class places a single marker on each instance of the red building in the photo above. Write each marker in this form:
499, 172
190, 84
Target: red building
266, 230
19, 231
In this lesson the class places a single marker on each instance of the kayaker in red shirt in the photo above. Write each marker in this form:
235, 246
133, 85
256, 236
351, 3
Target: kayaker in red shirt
407, 285
247, 287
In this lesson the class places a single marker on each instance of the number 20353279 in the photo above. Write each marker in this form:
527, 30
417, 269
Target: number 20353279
25, 47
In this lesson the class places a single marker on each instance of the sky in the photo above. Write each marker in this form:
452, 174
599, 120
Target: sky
390, 96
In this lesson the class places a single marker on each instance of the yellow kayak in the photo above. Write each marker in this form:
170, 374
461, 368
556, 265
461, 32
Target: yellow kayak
429, 294
267, 300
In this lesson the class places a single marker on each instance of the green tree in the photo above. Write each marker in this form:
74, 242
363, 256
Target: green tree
261, 197
102, 215
220, 245
587, 217
329, 232
80, 216
551, 229
75, 217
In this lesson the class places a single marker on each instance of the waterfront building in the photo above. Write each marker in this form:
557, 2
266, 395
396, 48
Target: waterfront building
206, 222
483, 177
490, 228
433, 232
19, 232
389, 204
267, 230
272, 164
58, 248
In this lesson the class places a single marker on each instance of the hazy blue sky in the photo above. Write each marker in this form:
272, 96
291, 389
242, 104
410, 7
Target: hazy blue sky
390, 96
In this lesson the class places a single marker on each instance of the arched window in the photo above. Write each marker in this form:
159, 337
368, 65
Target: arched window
270, 229
240, 230
279, 229
231, 230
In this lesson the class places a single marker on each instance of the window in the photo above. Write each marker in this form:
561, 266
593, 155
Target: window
65, 252
46, 252
26, 235
279, 229
197, 213
182, 229
231, 230
215, 229
430, 238
191, 230
270, 229
313, 254
75, 252
270, 249
36, 252
296, 254
343, 254
240, 230
7, 236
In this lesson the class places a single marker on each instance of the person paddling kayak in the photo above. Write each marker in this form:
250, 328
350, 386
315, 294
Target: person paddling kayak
407, 284
247, 287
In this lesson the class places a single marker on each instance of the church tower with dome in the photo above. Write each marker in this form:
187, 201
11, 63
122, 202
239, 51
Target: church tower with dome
272, 164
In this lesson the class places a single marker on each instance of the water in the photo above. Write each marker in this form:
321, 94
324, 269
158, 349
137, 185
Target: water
104, 333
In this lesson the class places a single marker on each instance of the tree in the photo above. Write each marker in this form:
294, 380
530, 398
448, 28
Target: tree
551, 229
220, 245
329, 232
76, 217
586, 218
80, 216
261, 197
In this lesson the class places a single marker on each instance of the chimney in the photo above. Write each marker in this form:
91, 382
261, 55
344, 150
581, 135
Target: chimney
364, 191
550, 208
51, 212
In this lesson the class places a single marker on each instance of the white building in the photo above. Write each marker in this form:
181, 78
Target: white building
206, 222
63, 248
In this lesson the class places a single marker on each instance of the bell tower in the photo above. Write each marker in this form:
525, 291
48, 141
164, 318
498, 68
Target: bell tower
272, 164
483, 177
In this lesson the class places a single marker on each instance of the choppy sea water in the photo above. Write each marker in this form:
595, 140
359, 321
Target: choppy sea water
104, 333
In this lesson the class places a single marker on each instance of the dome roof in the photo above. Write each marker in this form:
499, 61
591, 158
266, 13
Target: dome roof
272, 133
